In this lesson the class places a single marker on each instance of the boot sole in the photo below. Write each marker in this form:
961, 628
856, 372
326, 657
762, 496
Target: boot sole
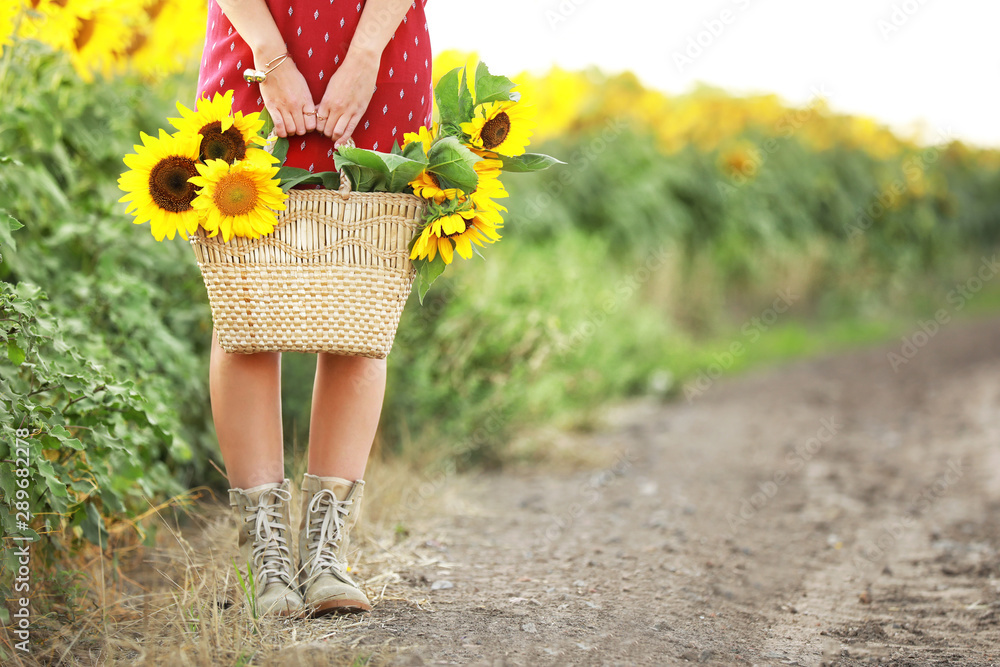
338, 607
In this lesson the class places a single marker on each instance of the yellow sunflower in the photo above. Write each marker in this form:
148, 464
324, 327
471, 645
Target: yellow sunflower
423, 135
427, 186
489, 187
501, 127
157, 184
224, 136
238, 199
53, 22
454, 232
100, 39
8, 13
158, 47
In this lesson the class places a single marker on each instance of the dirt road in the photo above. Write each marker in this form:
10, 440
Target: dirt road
833, 512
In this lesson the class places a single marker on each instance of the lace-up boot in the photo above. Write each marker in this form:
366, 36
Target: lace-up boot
330, 508
265, 533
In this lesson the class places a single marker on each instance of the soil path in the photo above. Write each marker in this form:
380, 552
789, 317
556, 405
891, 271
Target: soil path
833, 512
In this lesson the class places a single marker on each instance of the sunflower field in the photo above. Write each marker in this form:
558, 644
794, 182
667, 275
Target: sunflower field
675, 222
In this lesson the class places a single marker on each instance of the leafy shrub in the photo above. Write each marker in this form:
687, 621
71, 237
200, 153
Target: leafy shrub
107, 330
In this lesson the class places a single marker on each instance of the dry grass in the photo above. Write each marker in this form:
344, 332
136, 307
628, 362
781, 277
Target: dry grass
180, 603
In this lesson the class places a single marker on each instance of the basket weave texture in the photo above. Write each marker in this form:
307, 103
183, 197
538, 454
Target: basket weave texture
332, 277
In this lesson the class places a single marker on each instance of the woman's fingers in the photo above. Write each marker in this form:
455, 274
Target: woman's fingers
309, 118
340, 128
279, 123
332, 117
345, 135
289, 121
302, 121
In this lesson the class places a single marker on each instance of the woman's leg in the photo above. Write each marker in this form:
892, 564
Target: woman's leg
246, 406
346, 403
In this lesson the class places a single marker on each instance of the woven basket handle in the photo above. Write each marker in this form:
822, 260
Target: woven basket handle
345, 186
345, 183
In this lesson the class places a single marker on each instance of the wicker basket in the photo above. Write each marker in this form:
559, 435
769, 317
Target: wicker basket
332, 277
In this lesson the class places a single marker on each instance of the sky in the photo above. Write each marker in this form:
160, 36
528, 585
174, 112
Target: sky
919, 65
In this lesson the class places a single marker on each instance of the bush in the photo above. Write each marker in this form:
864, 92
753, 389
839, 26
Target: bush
107, 330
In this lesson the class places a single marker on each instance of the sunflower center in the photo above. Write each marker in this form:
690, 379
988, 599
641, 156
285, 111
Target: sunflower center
84, 32
235, 194
168, 183
154, 10
495, 130
219, 145
138, 41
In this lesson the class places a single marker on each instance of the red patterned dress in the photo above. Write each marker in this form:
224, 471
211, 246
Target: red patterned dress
317, 35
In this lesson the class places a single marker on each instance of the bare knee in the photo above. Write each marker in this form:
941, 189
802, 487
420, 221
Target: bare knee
355, 366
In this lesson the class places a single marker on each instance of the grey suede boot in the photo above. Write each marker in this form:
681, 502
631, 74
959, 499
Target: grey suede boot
330, 508
265, 541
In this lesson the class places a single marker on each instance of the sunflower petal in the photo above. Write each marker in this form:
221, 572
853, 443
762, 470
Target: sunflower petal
463, 246
445, 248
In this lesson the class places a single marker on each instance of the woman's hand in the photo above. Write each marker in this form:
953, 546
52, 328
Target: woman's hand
285, 93
347, 96
287, 98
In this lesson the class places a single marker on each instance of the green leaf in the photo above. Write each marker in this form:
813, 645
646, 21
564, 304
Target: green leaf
93, 526
393, 162
31, 534
29, 291
528, 162
289, 177
401, 176
360, 156
427, 273
280, 149
446, 95
329, 179
491, 88
452, 163
353, 174
402, 170
8, 224
14, 353
364, 179
415, 151
268, 123
465, 104
65, 438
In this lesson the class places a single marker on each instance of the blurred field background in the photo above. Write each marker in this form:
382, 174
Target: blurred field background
686, 237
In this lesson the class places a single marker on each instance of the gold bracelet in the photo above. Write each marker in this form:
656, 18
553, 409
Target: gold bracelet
259, 76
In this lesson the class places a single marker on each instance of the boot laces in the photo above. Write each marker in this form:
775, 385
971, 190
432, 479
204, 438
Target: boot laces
271, 553
326, 517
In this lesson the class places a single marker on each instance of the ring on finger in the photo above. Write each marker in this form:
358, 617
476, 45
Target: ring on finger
308, 113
